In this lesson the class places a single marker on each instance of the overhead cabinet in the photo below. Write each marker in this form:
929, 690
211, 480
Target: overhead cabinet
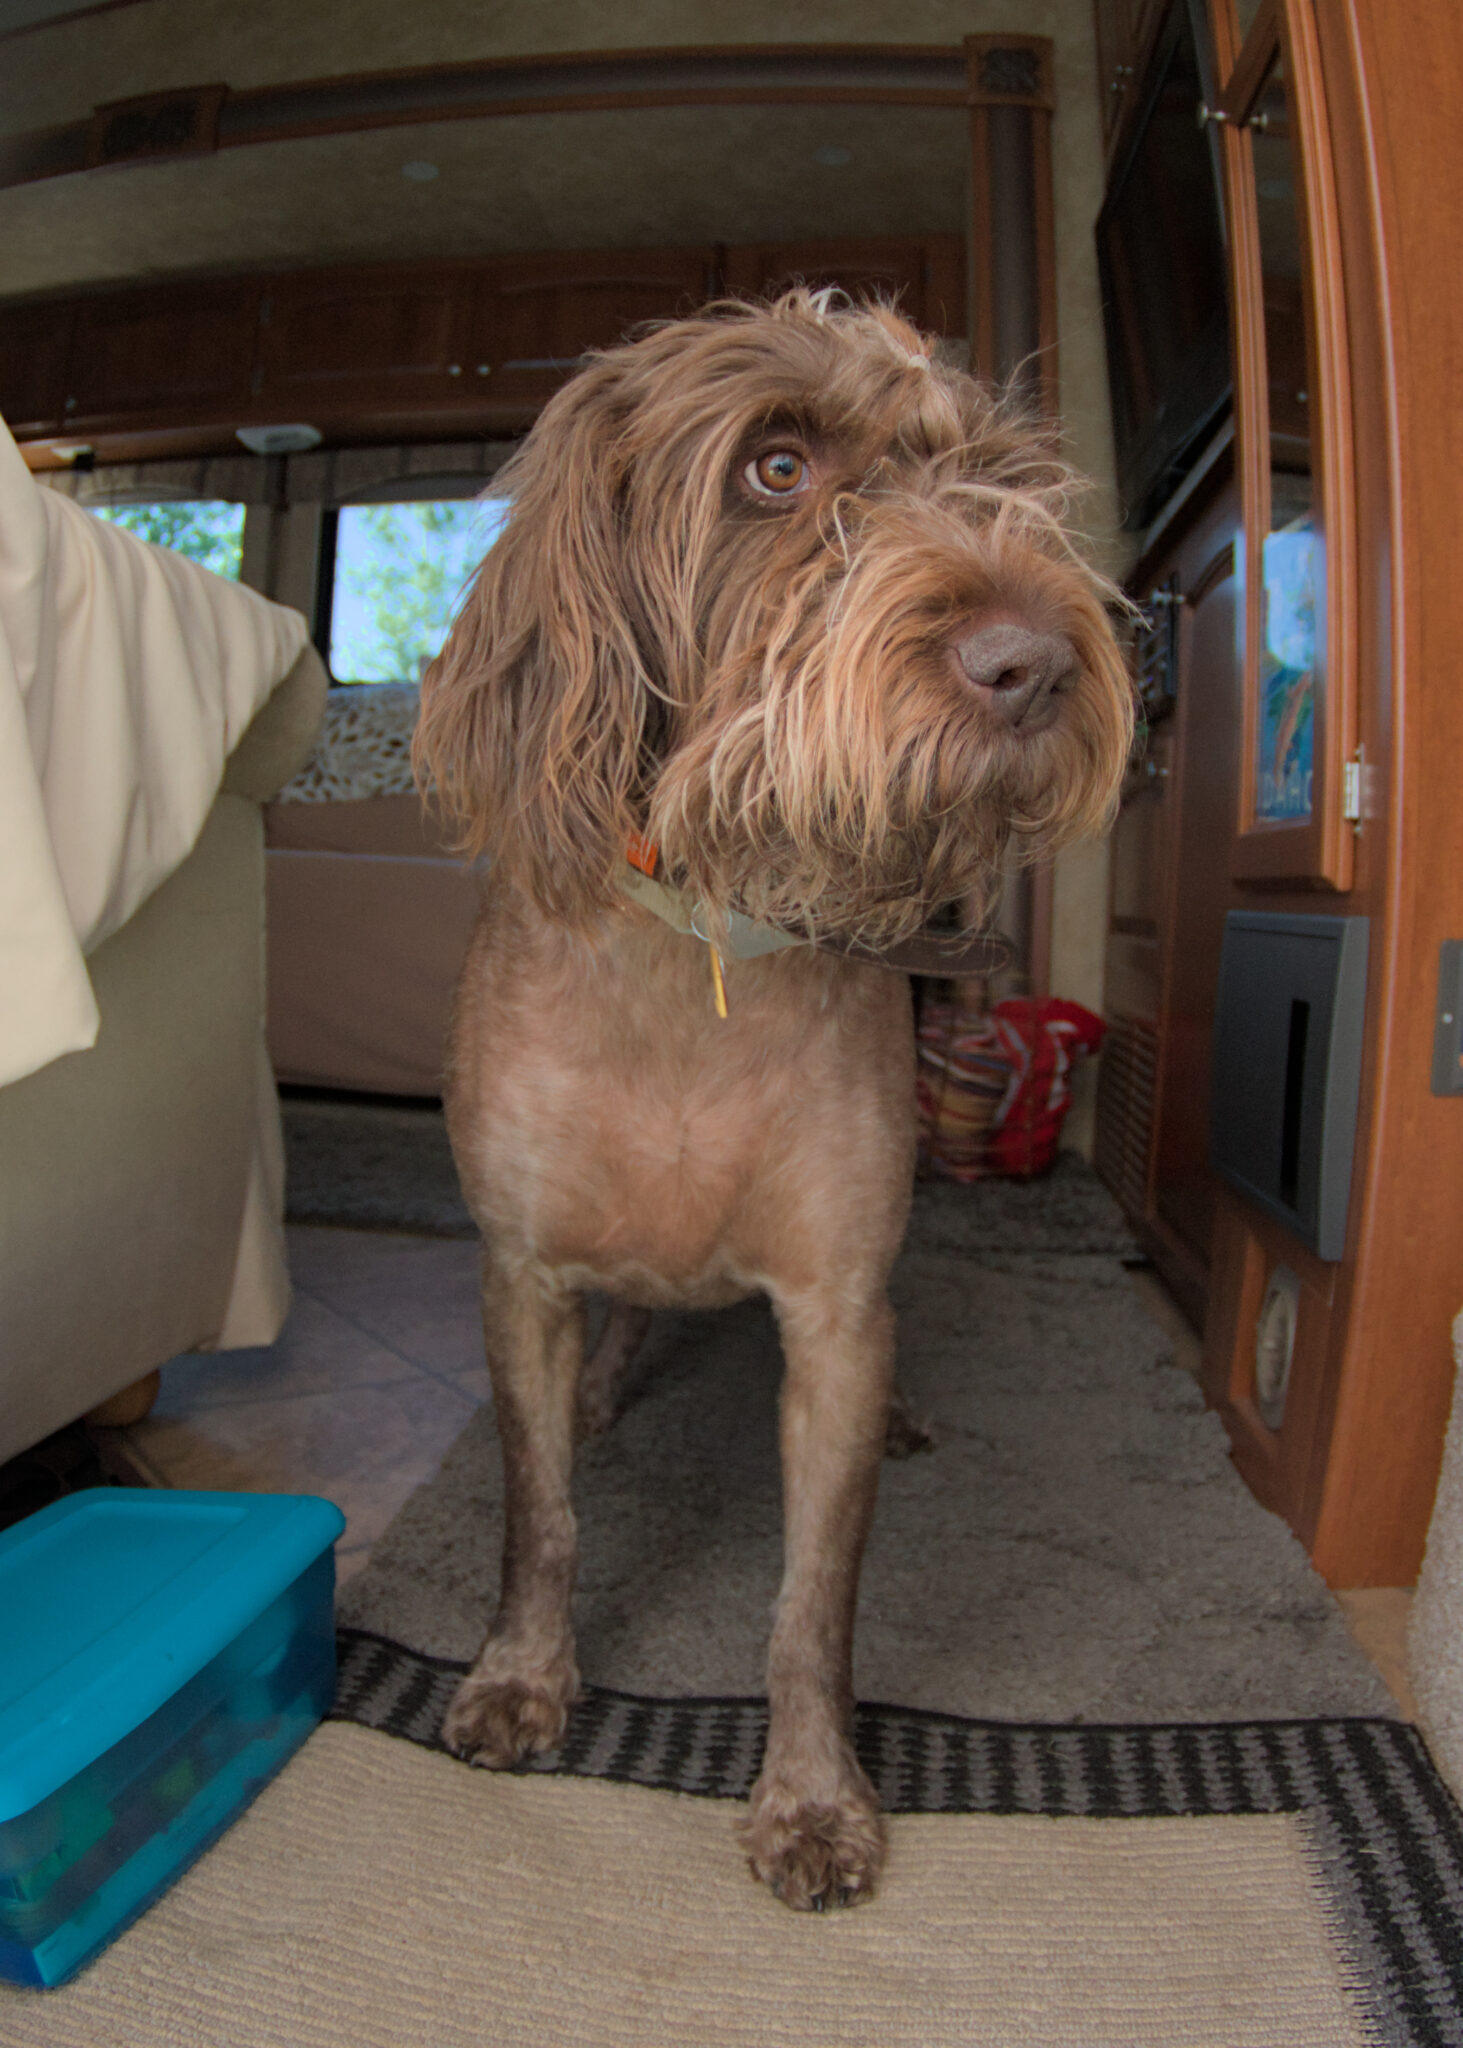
388, 337
185, 349
422, 347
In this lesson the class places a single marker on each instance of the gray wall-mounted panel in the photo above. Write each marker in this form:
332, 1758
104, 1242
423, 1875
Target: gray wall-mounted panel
1287, 1067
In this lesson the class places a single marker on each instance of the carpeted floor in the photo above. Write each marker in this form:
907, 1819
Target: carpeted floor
1144, 1792
384, 1163
370, 1164
1077, 1546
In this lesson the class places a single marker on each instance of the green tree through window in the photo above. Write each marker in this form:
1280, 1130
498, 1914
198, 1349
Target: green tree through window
207, 530
401, 572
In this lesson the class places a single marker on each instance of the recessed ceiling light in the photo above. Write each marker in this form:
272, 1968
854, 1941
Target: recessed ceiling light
833, 154
419, 172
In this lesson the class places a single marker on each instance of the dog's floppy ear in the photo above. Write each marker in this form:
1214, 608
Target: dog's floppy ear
533, 725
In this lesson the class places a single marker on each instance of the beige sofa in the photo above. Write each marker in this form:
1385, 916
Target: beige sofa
141, 1179
369, 909
147, 711
369, 917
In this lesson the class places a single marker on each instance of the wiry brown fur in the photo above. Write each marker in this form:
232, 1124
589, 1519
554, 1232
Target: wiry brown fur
769, 694
772, 692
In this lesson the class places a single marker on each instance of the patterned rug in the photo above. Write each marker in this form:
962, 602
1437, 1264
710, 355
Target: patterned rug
1385, 1835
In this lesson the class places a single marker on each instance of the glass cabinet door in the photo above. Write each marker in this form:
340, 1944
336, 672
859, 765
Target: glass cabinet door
1291, 390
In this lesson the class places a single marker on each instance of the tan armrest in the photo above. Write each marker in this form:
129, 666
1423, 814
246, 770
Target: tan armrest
279, 741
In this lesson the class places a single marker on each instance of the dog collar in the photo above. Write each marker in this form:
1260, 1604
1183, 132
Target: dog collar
940, 955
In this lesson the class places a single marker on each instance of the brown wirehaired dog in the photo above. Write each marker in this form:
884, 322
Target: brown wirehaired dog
791, 601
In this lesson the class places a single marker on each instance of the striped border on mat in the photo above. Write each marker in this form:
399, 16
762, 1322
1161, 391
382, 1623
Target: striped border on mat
1386, 1828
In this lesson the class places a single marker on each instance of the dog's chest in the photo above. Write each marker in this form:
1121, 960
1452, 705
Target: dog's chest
623, 1133
667, 1156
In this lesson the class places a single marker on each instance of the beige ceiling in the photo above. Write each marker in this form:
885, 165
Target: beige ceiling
651, 177
59, 72
529, 181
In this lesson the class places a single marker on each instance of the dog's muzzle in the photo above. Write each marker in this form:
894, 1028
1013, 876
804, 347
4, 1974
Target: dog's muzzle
1018, 672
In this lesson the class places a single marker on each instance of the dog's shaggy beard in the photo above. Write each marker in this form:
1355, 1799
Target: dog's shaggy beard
838, 774
770, 691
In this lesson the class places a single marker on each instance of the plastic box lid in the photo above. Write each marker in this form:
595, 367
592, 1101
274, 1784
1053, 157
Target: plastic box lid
112, 1599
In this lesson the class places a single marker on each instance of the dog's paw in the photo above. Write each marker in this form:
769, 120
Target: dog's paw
496, 1721
813, 1854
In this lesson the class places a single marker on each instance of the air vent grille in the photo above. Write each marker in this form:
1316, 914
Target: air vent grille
1127, 1087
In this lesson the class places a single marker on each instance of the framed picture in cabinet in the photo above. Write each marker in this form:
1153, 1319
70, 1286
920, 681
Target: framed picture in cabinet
1296, 810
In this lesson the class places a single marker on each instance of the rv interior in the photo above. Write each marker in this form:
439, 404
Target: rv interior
285, 287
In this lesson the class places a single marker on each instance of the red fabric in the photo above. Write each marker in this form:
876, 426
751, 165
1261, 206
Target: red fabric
1041, 1040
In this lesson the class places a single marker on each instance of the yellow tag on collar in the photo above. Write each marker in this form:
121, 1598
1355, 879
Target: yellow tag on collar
718, 982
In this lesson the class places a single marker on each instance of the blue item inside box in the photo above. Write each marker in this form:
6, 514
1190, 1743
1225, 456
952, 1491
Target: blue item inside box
161, 1656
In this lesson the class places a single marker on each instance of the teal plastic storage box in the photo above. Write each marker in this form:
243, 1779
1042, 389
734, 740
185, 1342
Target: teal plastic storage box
161, 1655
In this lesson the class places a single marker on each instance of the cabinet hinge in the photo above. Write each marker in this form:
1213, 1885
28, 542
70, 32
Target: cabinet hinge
1351, 781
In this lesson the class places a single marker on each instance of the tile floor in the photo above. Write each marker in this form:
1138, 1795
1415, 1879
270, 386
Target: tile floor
377, 1370
379, 1367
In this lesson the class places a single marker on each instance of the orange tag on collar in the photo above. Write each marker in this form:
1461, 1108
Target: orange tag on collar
642, 853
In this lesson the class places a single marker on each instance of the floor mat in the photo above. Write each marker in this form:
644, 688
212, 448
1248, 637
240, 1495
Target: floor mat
378, 1894
1382, 1830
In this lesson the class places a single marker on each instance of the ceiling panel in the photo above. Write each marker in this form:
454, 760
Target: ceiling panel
624, 179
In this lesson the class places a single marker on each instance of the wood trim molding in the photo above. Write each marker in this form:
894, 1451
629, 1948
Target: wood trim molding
1318, 853
155, 126
1250, 64
875, 74
1013, 283
1011, 71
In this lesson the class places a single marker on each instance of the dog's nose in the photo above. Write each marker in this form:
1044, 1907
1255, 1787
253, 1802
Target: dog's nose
1020, 670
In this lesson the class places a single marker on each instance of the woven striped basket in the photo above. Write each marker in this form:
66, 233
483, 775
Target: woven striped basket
962, 1078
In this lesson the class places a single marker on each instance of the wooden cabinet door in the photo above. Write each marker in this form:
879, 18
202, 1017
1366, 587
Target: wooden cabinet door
925, 276
389, 339
1115, 59
35, 344
1208, 742
1170, 888
1141, 873
180, 352
534, 317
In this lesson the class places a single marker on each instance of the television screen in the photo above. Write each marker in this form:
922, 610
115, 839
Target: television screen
1165, 283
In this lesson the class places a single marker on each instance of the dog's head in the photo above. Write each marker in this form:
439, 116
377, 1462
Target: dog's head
796, 602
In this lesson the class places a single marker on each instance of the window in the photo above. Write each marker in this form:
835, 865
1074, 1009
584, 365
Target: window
209, 531
400, 572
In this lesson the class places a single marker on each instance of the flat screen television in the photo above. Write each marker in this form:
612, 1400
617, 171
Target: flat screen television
1165, 282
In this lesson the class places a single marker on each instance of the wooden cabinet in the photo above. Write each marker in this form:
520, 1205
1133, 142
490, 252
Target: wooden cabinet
1124, 30
1116, 68
1127, 1088
35, 349
418, 348
181, 351
388, 338
1312, 759
925, 276
534, 317
1170, 887
1207, 749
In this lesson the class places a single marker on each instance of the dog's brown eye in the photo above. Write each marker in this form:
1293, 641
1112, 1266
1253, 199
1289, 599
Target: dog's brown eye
778, 474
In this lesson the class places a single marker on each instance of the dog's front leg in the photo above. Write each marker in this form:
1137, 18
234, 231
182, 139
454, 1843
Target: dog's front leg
516, 1696
814, 1833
